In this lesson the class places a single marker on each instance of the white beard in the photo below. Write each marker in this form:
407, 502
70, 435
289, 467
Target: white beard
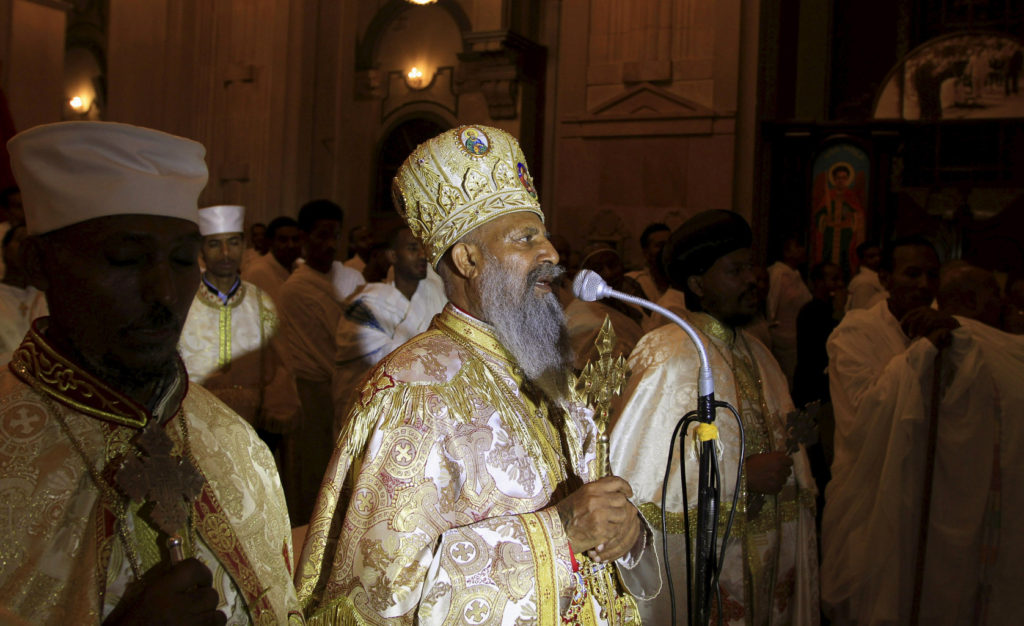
531, 328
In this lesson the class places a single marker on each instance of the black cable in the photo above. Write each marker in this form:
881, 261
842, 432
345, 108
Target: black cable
683, 423
717, 557
736, 489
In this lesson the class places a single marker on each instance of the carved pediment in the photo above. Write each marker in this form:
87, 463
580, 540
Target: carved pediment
646, 101
644, 110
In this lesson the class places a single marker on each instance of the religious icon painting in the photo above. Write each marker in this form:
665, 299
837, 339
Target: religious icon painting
474, 141
839, 205
524, 178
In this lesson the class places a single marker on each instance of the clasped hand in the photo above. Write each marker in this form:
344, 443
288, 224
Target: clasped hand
935, 326
181, 594
600, 520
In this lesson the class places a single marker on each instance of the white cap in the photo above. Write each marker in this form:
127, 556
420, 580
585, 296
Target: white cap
71, 172
222, 218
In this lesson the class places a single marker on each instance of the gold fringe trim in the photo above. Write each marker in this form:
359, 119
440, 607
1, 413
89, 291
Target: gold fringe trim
340, 612
788, 511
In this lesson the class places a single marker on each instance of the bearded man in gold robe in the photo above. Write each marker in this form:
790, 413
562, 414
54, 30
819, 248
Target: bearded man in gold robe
127, 495
463, 488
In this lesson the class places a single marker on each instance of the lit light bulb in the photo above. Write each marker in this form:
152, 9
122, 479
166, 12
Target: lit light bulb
77, 104
414, 78
422, 2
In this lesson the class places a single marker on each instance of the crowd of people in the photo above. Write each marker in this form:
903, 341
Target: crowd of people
206, 423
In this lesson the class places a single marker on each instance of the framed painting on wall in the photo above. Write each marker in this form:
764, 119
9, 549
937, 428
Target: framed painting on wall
956, 76
839, 206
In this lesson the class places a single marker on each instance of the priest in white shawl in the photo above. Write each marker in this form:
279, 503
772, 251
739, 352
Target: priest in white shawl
383, 316
770, 571
226, 343
882, 371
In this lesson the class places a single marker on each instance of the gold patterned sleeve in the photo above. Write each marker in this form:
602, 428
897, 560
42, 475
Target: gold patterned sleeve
438, 529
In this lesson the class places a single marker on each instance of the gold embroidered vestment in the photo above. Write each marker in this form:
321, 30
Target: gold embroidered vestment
437, 507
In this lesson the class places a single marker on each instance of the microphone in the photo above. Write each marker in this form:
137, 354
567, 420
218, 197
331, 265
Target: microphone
589, 286
707, 564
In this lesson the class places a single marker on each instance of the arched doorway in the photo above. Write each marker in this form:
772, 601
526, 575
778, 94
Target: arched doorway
394, 148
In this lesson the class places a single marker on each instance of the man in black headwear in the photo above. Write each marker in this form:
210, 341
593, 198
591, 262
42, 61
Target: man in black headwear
770, 572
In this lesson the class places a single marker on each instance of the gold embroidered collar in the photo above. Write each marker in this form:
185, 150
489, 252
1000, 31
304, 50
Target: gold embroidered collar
37, 363
480, 334
711, 327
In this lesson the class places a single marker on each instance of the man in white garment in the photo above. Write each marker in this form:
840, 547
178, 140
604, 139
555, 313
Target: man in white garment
383, 316
865, 288
271, 270
258, 244
360, 242
227, 341
310, 310
346, 280
20, 302
770, 572
787, 294
110, 457
971, 292
884, 389
652, 278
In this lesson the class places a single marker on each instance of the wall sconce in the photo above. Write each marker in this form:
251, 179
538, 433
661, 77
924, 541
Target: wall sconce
421, 2
414, 79
80, 106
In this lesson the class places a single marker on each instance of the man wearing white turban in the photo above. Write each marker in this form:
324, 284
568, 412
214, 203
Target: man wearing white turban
126, 493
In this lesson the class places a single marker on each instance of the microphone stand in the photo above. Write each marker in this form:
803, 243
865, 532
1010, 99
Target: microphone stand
590, 286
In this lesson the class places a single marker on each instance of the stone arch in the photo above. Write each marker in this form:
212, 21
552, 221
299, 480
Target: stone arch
366, 49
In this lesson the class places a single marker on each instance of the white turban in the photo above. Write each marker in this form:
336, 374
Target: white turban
223, 218
71, 172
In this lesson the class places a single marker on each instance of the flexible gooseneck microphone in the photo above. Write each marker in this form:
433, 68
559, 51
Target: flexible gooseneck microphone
589, 286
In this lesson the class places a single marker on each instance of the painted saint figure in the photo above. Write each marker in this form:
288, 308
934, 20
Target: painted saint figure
839, 219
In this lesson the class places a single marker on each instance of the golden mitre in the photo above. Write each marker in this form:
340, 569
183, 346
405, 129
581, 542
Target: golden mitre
461, 179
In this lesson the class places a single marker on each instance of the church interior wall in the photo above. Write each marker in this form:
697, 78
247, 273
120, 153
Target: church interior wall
32, 44
629, 112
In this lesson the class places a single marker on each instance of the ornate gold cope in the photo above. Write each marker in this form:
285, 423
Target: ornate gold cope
598, 383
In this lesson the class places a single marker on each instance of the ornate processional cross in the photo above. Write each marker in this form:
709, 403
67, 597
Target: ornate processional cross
170, 483
598, 383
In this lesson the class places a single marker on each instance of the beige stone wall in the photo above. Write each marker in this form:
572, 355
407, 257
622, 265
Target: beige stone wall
647, 103
646, 116
32, 59
229, 74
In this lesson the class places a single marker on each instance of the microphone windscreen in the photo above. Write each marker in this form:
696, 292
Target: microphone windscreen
589, 286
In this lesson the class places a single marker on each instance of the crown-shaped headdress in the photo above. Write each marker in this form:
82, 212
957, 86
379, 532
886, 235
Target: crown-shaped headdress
459, 180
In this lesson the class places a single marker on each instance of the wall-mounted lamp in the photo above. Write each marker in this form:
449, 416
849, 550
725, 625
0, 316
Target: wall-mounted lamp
80, 106
414, 78
421, 2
